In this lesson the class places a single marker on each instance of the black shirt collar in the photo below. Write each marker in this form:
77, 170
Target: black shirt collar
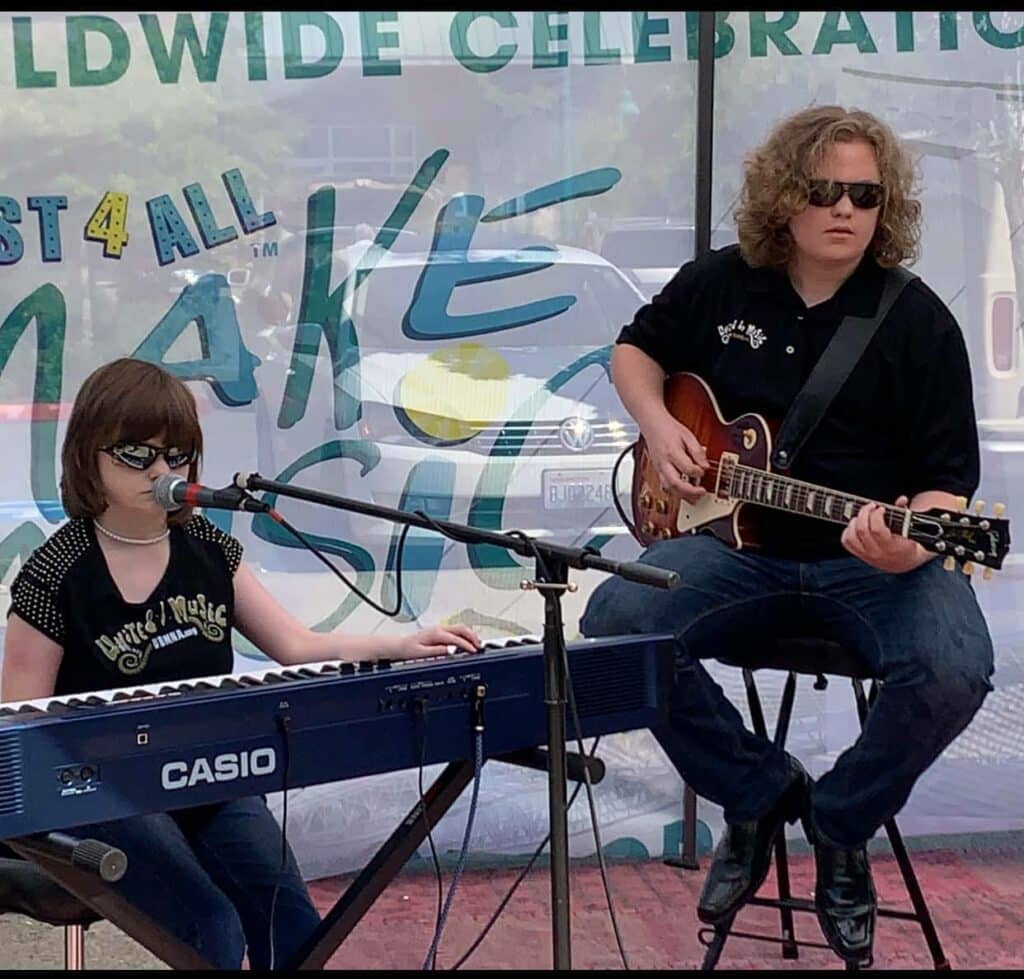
857, 296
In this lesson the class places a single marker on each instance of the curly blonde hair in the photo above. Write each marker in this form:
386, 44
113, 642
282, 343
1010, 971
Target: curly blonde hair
776, 184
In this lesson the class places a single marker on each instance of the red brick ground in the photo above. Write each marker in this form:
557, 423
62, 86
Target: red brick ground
976, 899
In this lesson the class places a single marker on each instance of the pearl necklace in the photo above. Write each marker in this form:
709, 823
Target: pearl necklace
131, 540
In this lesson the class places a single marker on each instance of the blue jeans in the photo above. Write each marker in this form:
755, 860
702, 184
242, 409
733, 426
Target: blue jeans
921, 634
208, 874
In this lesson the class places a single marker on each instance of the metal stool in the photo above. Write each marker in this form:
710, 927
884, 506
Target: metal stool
27, 889
819, 658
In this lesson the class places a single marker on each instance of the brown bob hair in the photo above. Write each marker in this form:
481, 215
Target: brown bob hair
778, 172
126, 400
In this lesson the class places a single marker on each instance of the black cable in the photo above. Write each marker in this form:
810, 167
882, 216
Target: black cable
629, 525
285, 725
478, 764
522, 876
421, 710
366, 598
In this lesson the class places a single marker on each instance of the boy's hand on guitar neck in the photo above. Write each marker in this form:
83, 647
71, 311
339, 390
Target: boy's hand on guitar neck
677, 456
866, 536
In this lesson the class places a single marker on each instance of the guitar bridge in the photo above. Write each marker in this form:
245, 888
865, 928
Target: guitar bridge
727, 464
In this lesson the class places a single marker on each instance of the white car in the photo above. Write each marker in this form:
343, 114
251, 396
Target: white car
515, 428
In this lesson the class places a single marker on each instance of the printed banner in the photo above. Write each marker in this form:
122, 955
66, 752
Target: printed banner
390, 253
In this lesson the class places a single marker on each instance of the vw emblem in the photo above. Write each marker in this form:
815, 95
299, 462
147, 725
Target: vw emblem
576, 434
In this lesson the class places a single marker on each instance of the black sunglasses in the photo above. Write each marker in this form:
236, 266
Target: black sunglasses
825, 193
141, 455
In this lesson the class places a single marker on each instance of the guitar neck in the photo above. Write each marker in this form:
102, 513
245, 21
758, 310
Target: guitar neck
751, 485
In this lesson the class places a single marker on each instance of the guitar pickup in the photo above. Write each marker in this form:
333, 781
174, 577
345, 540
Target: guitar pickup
727, 464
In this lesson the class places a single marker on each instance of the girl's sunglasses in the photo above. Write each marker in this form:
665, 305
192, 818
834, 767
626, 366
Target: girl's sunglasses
141, 455
825, 193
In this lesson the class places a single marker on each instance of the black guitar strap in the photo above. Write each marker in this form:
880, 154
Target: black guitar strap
831, 371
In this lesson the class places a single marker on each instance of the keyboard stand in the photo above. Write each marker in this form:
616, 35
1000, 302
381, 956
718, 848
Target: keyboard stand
393, 855
385, 865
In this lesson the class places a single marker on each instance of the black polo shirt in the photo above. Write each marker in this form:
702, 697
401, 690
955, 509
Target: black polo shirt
903, 422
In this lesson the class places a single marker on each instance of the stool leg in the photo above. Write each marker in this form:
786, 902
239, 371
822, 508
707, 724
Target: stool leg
924, 918
789, 946
899, 849
74, 947
714, 952
687, 859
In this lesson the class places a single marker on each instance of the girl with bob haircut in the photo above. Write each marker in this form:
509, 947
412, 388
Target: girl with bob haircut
125, 595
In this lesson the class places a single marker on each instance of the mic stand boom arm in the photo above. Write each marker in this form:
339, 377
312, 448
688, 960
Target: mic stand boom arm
552, 563
573, 557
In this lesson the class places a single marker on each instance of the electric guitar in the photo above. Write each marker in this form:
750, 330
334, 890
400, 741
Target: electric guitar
739, 453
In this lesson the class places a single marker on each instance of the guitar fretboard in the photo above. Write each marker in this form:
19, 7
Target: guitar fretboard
752, 485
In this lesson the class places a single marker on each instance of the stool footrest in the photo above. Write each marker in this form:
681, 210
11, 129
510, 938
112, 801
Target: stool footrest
707, 935
803, 904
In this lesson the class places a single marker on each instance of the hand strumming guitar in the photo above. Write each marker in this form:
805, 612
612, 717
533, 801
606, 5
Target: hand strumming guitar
676, 454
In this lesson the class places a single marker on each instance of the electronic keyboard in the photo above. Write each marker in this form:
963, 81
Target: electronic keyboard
70, 761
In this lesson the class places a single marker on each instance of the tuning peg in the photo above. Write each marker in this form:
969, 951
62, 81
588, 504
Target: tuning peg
961, 503
987, 574
968, 567
979, 507
949, 564
999, 509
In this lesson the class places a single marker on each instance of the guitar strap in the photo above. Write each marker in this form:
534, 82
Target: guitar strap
831, 371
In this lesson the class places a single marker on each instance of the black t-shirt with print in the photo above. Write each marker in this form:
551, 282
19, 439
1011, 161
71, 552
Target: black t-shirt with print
903, 422
181, 631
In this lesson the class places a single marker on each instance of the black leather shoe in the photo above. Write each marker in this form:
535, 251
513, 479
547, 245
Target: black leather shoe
743, 855
844, 898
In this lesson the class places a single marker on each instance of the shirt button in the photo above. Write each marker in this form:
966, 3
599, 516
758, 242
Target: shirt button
790, 350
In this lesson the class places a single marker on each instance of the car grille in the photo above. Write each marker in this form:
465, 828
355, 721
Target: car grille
543, 438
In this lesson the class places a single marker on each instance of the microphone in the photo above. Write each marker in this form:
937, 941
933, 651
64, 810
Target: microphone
173, 492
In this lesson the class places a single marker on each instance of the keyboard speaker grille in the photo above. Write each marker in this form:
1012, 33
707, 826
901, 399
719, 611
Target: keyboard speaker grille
11, 800
607, 682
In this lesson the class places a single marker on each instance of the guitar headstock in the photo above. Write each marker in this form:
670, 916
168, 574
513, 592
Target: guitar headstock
966, 539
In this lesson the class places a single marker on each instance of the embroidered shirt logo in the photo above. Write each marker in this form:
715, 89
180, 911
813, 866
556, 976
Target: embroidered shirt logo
738, 330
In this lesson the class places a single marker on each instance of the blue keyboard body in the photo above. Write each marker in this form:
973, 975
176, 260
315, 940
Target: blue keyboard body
70, 761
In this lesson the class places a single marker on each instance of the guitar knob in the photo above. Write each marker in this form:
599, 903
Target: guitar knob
949, 564
666, 532
999, 509
647, 527
961, 503
979, 507
645, 501
968, 567
661, 506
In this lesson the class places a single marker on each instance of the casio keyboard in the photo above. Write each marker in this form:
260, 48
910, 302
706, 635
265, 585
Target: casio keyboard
70, 761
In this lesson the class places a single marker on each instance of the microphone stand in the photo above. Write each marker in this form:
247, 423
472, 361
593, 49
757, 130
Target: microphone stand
552, 563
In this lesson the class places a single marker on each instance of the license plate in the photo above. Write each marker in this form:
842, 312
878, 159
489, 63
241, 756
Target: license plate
565, 489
